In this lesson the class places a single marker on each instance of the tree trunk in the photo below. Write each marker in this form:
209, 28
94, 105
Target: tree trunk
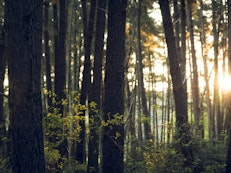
113, 134
2, 95
23, 37
216, 31
93, 150
228, 159
179, 91
144, 108
60, 57
47, 54
206, 76
88, 27
195, 84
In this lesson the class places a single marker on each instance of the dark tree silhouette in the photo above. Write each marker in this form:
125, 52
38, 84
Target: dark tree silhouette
179, 91
112, 143
23, 37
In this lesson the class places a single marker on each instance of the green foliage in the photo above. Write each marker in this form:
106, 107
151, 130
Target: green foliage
209, 157
58, 129
5, 165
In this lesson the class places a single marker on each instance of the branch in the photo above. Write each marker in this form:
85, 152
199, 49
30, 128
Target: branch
4, 95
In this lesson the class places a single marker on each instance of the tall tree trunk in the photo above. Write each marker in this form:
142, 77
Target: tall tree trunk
2, 95
113, 134
179, 91
183, 43
195, 84
60, 57
145, 111
228, 159
24, 55
93, 149
206, 75
88, 27
216, 31
47, 53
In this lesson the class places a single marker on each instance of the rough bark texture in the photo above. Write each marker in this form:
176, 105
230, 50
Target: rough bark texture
24, 86
113, 135
179, 91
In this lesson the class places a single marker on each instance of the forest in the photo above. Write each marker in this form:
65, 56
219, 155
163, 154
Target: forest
115, 86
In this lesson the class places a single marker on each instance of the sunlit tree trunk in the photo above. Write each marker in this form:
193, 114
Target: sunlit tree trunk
88, 27
204, 54
195, 84
216, 99
145, 111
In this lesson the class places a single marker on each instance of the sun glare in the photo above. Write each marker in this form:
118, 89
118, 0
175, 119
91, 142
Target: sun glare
225, 83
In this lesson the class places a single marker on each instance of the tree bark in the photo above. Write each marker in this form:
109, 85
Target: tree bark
179, 91
228, 159
47, 54
2, 95
216, 30
113, 134
23, 37
96, 87
60, 56
195, 84
145, 111
88, 27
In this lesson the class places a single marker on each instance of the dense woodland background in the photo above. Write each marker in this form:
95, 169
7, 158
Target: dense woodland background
115, 86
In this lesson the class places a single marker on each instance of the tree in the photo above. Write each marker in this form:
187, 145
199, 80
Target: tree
47, 52
216, 23
88, 27
60, 55
179, 92
96, 87
228, 159
144, 107
23, 37
195, 84
2, 95
113, 134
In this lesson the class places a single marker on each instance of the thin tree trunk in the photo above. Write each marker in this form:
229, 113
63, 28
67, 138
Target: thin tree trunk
88, 27
2, 95
145, 111
60, 57
47, 54
206, 75
195, 84
216, 31
93, 149
228, 159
